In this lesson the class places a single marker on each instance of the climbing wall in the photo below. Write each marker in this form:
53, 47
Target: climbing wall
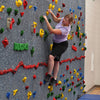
25, 44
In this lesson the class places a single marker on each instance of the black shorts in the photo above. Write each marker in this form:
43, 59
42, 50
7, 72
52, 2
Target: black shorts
58, 49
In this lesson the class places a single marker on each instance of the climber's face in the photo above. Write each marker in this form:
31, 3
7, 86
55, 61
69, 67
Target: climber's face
65, 21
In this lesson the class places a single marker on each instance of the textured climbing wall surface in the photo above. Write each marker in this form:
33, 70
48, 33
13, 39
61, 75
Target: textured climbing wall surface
16, 62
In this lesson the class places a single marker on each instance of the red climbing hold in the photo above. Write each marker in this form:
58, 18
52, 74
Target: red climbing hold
34, 76
21, 13
74, 48
25, 3
5, 42
67, 67
41, 83
63, 5
12, 22
63, 75
54, 98
76, 33
72, 83
58, 15
53, 0
26, 87
70, 72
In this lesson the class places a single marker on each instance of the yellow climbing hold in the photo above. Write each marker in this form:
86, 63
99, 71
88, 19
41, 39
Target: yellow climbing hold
35, 24
65, 98
47, 13
30, 6
56, 1
62, 95
29, 94
75, 71
83, 44
2, 8
41, 32
71, 77
75, 16
50, 88
69, 90
53, 6
24, 79
59, 9
51, 45
59, 82
50, 5
77, 74
14, 92
81, 88
18, 3
78, 22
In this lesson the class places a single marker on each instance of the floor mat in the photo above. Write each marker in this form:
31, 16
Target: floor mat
90, 97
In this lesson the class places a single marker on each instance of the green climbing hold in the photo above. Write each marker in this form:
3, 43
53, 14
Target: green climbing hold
20, 46
9, 10
49, 20
41, 19
15, 12
1, 30
32, 51
74, 92
19, 21
67, 80
45, 35
22, 32
80, 44
37, 34
48, 95
63, 88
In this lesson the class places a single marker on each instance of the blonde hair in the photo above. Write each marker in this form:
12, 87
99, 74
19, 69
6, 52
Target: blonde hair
70, 17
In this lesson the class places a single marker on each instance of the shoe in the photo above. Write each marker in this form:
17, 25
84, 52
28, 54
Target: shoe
52, 81
47, 78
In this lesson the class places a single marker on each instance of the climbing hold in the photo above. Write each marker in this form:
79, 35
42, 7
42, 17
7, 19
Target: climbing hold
35, 8
2, 8
50, 6
49, 20
59, 9
75, 16
22, 32
34, 76
47, 13
69, 90
56, 1
73, 10
20, 46
70, 9
41, 32
62, 95
79, 7
1, 30
80, 13
32, 51
58, 15
45, 35
29, 94
59, 82
9, 10
34, 94
70, 72
81, 88
72, 83
15, 12
53, 6
75, 71
25, 3
5, 42
41, 83
53, 0
74, 92
30, 6
24, 79
63, 88
19, 21
14, 92
63, 4
8, 95
21, 13
10, 22
71, 77
18, 3
26, 87
61, 76
65, 98
37, 34
67, 67
74, 48
41, 19
50, 88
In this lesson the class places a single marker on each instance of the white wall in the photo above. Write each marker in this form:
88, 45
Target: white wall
92, 60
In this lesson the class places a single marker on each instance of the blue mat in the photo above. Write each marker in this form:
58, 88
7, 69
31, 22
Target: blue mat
90, 97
